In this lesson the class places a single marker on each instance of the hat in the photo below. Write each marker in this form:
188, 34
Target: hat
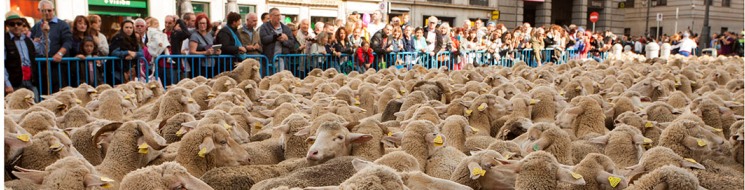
355, 13
432, 19
12, 15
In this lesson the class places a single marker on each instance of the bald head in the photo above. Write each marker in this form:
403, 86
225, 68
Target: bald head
251, 20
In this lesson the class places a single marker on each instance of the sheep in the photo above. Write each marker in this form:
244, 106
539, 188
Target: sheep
267, 151
171, 129
332, 172
443, 161
67, 173
371, 176
209, 146
246, 70
175, 101
373, 148
332, 140
414, 98
419, 139
400, 161
223, 84
657, 157
388, 112
202, 95
603, 170
76, 117
37, 122
223, 118
649, 87
455, 128
486, 110
433, 89
689, 139
386, 96
623, 145
112, 105
667, 177
416, 180
545, 110
121, 157
53, 105
91, 149
16, 139
540, 170
473, 170
475, 143
294, 146
513, 127
550, 138
585, 118
508, 149
20, 99
736, 139
46, 148
242, 177
164, 176
67, 97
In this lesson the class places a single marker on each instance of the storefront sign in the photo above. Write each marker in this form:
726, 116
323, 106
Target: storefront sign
119, 3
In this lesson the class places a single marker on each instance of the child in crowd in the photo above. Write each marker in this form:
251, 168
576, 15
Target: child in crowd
364, 57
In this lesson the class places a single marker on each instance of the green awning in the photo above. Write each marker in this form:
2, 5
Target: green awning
139, 4
115, 13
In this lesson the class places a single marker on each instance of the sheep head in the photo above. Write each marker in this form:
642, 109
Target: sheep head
67, 173
546, 163
332, 140
216, 144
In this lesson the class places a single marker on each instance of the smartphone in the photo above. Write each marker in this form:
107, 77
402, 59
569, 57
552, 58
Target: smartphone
216, 47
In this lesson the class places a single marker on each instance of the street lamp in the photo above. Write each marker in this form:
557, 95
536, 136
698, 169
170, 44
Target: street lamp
704, 37
646, 26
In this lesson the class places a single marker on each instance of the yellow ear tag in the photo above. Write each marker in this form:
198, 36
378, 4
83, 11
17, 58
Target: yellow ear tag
23, 137
106, 179
468, 112
180, 132
143, 148
691, 160
508, 155
533, 101
578, 88
56, 146
210, 95
474, 130
717, 130
78, 101
648, 124
227, 127
127, 97
576, 175
701, 142
402, 91
107, 185
478, 171
258, 125
647, 140
356, 102
561, 93
191, 100
202, 152
152, 86
482, 107
398, 96
438, 140
390, 134
614, 181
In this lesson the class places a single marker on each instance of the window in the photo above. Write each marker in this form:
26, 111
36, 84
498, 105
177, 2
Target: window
441, 1
726, 3
654, 32
724, 29
200, 7
661, 3
630, 3
627, 31
245, 9
480, 2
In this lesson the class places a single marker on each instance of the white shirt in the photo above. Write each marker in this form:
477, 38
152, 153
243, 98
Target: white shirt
373, 28
687, 45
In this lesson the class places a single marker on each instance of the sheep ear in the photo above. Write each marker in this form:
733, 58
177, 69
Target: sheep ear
392, 140
475, 170
441, 109
691, 163
95, 181
35, 176
575, 110
46, 97
635, 170
17, 141
695, 143
603, 140
206, 147
190, 125
303, 132
357, 138
568, 176
281, 129
360, 164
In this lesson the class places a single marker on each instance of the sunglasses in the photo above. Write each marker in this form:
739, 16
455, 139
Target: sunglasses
13, 24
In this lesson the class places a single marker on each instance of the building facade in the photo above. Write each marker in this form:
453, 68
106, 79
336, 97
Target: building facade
724, 15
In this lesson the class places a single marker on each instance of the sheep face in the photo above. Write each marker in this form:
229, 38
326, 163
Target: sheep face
169, 175
36, 122
220, 146
66, 173
332, 140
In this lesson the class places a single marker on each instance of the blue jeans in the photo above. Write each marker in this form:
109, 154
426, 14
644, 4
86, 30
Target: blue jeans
685, 53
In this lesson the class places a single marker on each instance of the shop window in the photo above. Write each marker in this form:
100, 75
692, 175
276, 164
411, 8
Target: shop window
200, 7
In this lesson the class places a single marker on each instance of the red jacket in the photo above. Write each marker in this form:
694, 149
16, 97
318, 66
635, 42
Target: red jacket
364, 57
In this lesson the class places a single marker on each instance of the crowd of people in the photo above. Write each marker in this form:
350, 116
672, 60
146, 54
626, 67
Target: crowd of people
366, 37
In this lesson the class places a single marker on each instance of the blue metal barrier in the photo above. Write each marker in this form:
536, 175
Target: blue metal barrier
173, 68
73, 71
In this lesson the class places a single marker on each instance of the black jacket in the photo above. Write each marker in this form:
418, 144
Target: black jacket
178, 37
269, 40
13, 60
379, 44
225, 38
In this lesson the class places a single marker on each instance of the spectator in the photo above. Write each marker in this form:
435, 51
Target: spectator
443, 42
381, 43
200, 43
341, 46
60, 42
330, 29
376, 24
726, 41
264, 18
249, 36
397, 43
125, 45
355, 38
141, 30
80, 33
319, 48
396, 22
19, 56
420, 43
350, 24
276, 38
228, 36
93, 69
405, 20
318, 28
98, 37
686, 45
408, 40
338, 23
305, 36
364, 57
296, 47
170, 23
537, 44
190, 20
430, 33
157, 41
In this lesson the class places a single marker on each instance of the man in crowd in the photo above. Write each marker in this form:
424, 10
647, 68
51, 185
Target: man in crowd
59, 41
19, 55
228, 36
304, 35
264, 17
430, 33
141, 30
250, 36
170, 23
319, 27
276, 38
191, 21
381, 44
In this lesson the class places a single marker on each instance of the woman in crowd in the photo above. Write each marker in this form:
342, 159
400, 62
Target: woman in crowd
80, 32
125, 45
341, 46
98, 37
200, 43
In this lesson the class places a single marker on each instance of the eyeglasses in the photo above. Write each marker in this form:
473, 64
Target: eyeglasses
13, 24
202, 23
46, 10
140, 26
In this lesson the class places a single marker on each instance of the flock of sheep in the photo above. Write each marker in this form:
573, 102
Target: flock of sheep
626, 123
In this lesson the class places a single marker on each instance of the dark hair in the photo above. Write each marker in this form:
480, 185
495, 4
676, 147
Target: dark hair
187, 15
338, 32
273, 9
75, 32
201, 16
264, 15
124, 41
95, 46
364, 42
232, 17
